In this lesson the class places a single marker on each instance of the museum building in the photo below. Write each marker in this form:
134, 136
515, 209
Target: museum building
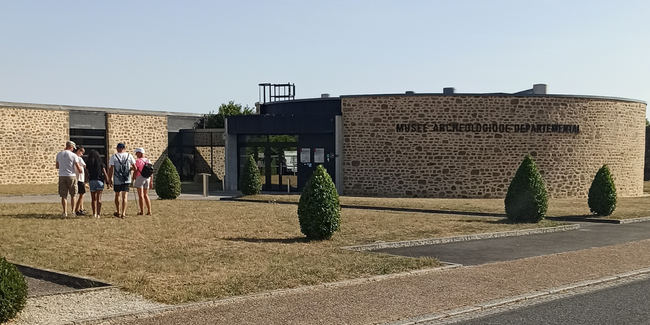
446, 144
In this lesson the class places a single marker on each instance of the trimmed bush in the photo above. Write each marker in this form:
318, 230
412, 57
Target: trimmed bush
13, 291
319, 210
527, 199
249, 180
602, 193
167, 182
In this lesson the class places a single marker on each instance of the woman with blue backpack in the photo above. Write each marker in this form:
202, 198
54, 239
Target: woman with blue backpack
143, 180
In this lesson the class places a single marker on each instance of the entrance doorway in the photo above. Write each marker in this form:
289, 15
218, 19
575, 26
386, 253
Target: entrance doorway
276, 157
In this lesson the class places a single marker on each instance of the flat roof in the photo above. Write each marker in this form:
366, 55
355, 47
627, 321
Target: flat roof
95, 109
501, 95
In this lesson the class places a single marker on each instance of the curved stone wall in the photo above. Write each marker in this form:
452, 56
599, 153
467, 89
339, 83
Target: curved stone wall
471, 145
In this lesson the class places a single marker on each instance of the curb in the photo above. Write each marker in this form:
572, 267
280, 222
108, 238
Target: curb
514, 299
194, 305
444, 240
80, 283
599, 220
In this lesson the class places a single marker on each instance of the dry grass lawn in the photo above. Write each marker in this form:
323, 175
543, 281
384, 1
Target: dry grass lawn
626, 208
192, 251
29, 189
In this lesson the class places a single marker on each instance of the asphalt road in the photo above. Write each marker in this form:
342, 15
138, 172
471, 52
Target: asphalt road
477, 252
622, 304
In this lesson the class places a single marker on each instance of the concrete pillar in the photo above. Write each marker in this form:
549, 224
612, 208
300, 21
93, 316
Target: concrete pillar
338, 153
230, 181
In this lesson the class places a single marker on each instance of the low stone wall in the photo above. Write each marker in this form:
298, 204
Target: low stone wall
31, 138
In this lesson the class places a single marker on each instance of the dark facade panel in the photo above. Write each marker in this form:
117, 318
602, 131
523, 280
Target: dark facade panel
87, 120
281, 124
306, 106
175, 123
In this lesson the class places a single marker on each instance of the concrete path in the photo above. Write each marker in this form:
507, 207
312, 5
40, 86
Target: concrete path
109, 196
510, 248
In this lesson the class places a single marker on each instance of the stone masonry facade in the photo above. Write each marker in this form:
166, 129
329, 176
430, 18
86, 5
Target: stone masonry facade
471, 145
138, 131
31, 139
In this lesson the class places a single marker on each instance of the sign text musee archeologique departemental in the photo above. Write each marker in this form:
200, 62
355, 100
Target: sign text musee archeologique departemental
488, 127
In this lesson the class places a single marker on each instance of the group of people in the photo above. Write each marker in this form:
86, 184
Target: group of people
75, 174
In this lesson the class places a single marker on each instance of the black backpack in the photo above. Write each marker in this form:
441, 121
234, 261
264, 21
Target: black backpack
147, 170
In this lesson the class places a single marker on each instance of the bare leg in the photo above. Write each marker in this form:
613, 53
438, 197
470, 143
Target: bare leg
147, 200
140, 200
124, 196
99, 202
73, 202
80, 204
117, 203
64, 203
93, 202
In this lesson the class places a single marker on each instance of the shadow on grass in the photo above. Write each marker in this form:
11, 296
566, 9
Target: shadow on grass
270, 240
364, 207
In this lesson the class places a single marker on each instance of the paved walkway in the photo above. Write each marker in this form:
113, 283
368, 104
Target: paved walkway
109, 196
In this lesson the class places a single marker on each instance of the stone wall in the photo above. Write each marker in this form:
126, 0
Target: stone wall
646, 172
218, 164
407, 146
31, 138
138, 131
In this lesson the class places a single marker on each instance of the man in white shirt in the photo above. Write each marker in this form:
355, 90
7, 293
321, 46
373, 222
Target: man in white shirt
66, 163
120, 167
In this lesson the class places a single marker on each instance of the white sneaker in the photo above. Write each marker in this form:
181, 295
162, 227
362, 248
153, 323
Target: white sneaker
64, 214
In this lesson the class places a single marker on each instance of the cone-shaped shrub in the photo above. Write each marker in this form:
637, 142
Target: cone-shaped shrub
13, 291
319, 210
527, 199
168, 183
602, 193
249, 181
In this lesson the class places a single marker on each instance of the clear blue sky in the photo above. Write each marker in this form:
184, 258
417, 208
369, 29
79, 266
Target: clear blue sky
191, 56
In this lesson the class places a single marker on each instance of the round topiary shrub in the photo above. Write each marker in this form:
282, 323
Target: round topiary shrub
602, 193
319, 210
249, 180
167, 182
527, 199
13, 291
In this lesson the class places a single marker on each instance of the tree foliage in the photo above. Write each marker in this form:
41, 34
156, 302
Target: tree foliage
319, 209
167, 182
218, 120
13, 291
527, 198
602, 193
249, 181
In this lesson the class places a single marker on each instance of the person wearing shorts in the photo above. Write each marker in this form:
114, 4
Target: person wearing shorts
120, 186
96, 178
81, 181
141, 184
66, 163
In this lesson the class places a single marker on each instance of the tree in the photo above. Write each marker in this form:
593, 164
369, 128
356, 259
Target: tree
249, 180
647, 122
167, 182
319, 209
527, 198
602, 193
218, 120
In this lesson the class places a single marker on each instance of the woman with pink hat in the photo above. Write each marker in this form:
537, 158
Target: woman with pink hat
143, 180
